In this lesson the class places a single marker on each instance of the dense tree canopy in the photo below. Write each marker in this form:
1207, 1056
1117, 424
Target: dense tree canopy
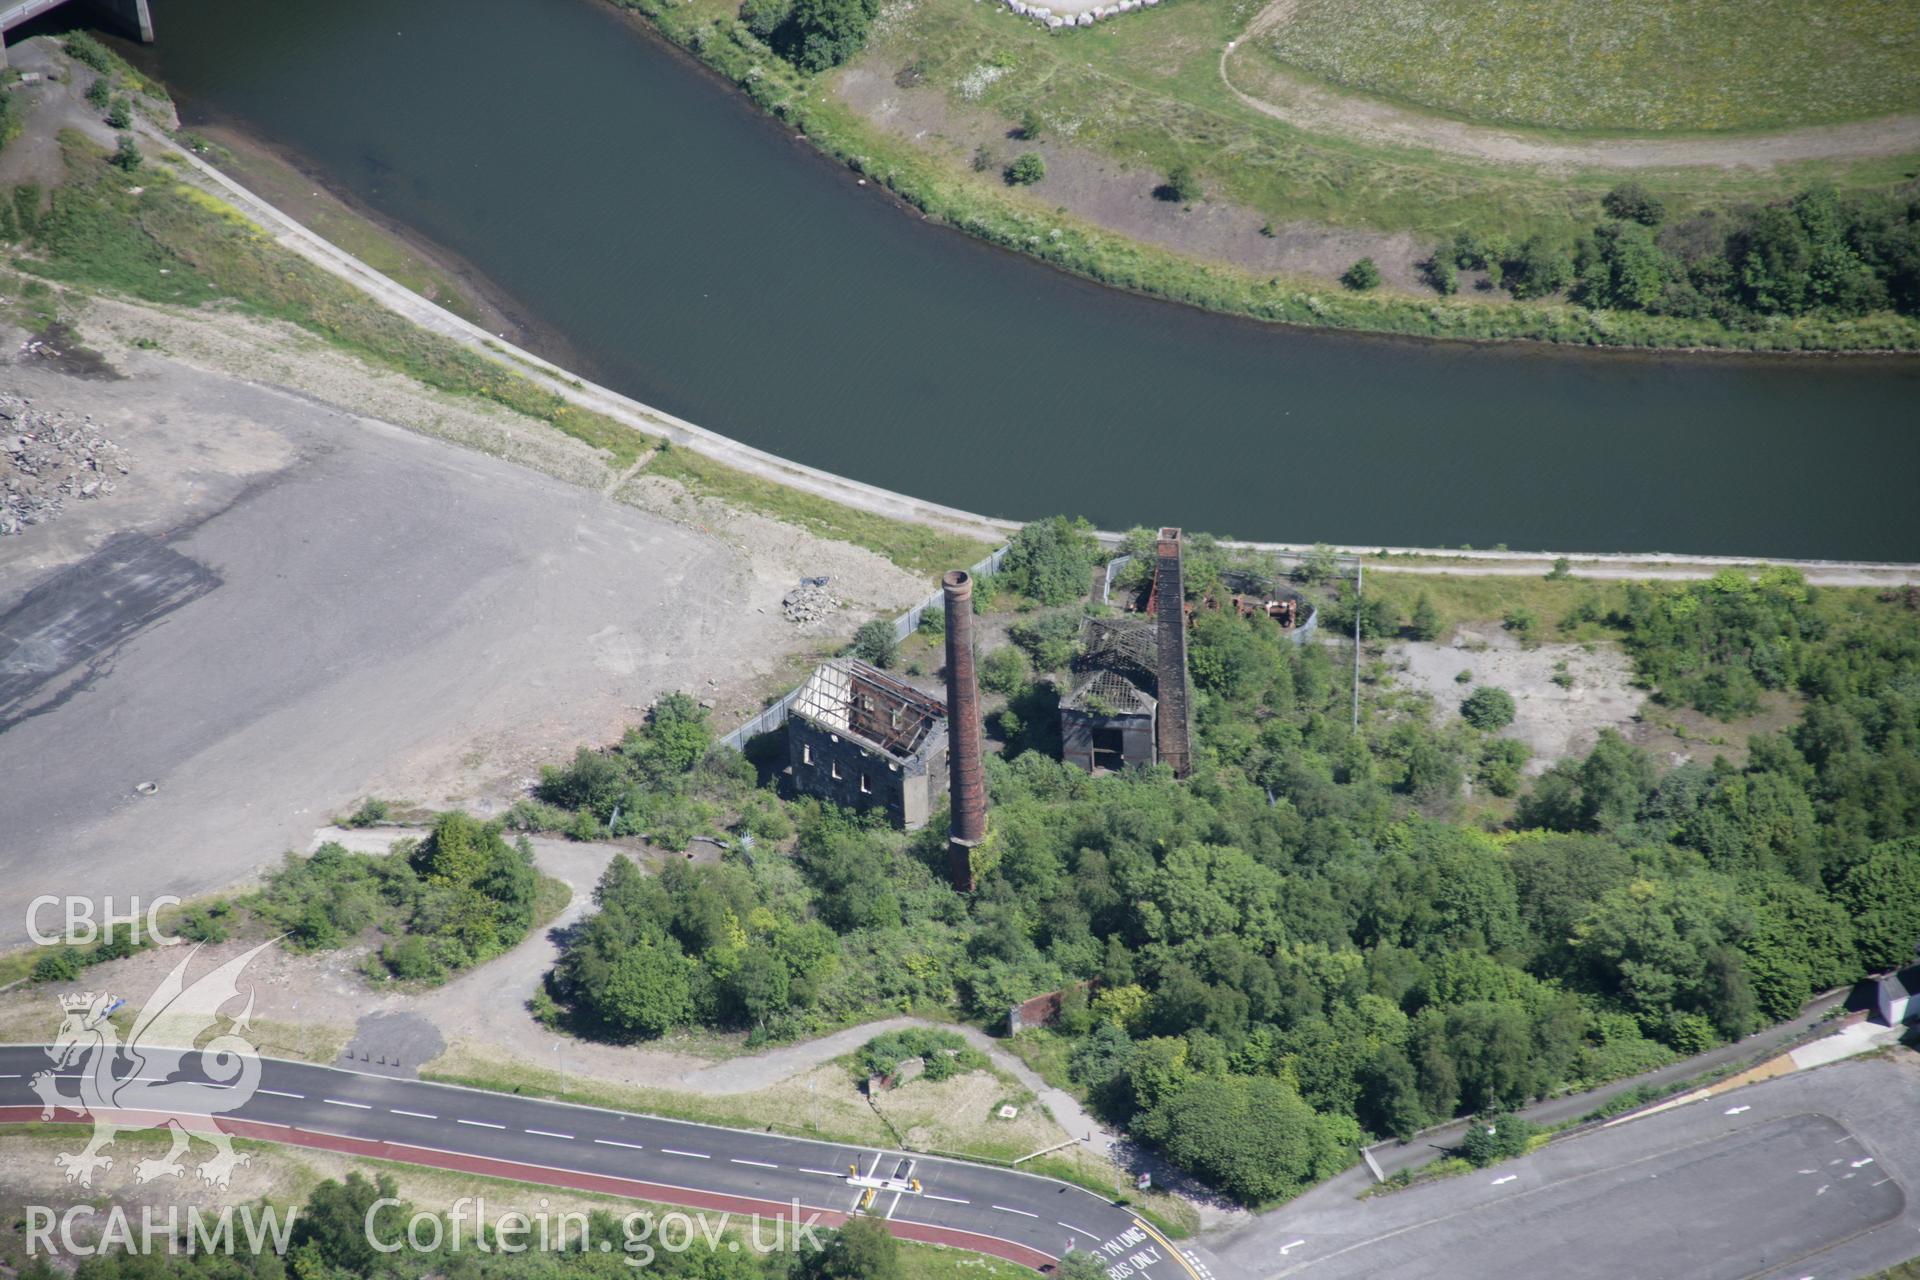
1306, 941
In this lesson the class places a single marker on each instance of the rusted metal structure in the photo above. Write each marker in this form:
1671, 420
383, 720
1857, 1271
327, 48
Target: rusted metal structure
864, 740
968, 786
1170, 623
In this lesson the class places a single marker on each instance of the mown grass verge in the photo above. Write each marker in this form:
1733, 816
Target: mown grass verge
911, 546
1013, 222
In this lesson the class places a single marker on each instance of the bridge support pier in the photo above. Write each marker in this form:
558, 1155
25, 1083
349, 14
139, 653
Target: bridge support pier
131, 16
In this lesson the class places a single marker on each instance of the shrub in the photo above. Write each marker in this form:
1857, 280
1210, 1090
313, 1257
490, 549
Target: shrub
1050, 560
1361, 276
1441, 272
82, 47
62, 965
1026, 170
120, 114
1049, 640
765, 17
984, 158
1004, 670
1488, 708
411, 958
1631, 202
1492, 1138
1425, 622
100, 92
371, 810
126, 157
933, 623
1521, 621
874, 642
1181, 187
1031, 126
204, 923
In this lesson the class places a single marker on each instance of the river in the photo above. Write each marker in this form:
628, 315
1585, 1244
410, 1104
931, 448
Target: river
690, 253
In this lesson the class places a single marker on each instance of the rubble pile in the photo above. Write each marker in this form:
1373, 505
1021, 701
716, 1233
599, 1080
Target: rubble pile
808, 602
49, 459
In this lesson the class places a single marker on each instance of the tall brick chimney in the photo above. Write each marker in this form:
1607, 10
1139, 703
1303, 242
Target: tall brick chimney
967, 789
1170, 591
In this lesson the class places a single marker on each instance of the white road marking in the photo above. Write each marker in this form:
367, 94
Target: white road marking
1845, 1137
1863, 1163
1883, 1182
956, 1200
548, 1133
1287, 1248
282, 1093
1734, 1111
696, 1155
893, 1206
825, 1173
340, 1102
1081, 1230
758, 1164
609, 1142
10, 1075
1022, 1212
1806, 1171
417, 1115
480, 1124
875, 1170
1823, 1190
1509, 1178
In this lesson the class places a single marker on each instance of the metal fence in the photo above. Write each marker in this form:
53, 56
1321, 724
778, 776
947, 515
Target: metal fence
1300, 634
903, 626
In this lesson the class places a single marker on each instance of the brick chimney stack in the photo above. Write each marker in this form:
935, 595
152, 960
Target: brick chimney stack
967, 781
1170, 591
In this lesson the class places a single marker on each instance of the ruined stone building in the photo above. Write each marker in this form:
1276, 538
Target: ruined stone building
1107, 718
861, 739
1128, 705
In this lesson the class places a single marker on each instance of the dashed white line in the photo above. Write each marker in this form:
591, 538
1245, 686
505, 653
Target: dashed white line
282, 1093
342, 1102
1858, 1164
1022, 1212
696, 1155
825, 1173
1883, 1182
1069, 1226
609, 1142
481, 1124
758, 1164
417, 1115
952, 1200
1509, 1178
548, 1133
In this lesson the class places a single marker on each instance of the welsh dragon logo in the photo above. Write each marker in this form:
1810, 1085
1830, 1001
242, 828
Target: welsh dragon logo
153, 1092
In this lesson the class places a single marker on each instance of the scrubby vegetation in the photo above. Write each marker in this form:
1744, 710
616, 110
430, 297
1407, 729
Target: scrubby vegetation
453, 900
1316, 938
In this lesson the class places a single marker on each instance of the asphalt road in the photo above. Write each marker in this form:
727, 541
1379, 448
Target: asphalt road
1029, 1219
1802, 1175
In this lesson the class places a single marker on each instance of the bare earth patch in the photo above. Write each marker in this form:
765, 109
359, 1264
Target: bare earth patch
1554, 722
1095, 188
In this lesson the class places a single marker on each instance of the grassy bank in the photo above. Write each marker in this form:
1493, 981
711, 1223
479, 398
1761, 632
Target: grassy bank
1316, 170
149, 236
910, 546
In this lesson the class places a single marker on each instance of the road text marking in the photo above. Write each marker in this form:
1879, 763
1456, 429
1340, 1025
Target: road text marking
1509, 1178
